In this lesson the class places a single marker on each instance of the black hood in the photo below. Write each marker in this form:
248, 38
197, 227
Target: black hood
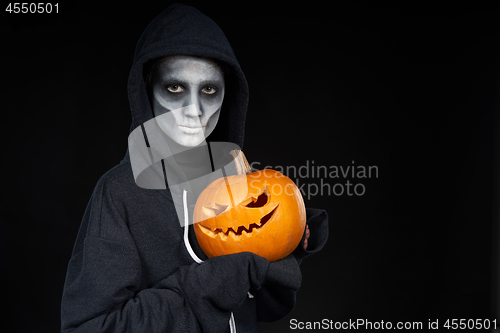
183, 30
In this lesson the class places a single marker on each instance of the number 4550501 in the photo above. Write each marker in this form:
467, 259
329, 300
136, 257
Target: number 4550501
470, 324
32, 7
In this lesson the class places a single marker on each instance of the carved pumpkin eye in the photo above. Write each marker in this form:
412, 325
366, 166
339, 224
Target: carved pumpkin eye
258, 201
252, 202
214, 210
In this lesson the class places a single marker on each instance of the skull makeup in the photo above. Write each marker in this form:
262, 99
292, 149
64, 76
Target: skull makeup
188, 92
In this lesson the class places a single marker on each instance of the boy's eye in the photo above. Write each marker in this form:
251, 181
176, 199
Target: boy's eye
175, 88
209, 90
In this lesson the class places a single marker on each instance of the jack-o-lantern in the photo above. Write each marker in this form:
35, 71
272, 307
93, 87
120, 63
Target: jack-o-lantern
261, 212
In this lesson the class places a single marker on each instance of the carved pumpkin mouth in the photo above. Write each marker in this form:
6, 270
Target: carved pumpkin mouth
242, 231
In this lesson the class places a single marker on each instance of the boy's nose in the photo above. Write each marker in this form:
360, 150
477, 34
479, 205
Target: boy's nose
193, 107
192, 110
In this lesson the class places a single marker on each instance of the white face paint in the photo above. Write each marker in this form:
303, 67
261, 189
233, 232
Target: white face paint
187, 95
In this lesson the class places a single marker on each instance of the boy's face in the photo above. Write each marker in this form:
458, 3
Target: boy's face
187, 95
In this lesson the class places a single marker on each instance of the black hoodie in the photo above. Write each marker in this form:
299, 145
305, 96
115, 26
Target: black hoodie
131, 270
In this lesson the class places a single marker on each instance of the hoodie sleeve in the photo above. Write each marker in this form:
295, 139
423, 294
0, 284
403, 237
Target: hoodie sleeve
276, 298
104, 292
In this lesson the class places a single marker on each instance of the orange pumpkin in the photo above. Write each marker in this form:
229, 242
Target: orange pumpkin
261, 212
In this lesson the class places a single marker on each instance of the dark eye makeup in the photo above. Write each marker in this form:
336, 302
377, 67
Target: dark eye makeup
176, 88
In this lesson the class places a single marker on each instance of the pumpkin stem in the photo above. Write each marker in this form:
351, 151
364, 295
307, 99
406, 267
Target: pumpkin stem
242, 166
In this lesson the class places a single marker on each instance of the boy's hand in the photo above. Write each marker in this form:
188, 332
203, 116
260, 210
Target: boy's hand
308, 233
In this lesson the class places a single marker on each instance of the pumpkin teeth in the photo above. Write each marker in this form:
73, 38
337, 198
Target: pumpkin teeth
207, 231
233, 235
241, 231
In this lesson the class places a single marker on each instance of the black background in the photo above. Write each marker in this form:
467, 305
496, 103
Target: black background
409, 88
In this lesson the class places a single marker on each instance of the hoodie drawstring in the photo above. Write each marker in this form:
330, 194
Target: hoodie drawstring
186, 229
232, 324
